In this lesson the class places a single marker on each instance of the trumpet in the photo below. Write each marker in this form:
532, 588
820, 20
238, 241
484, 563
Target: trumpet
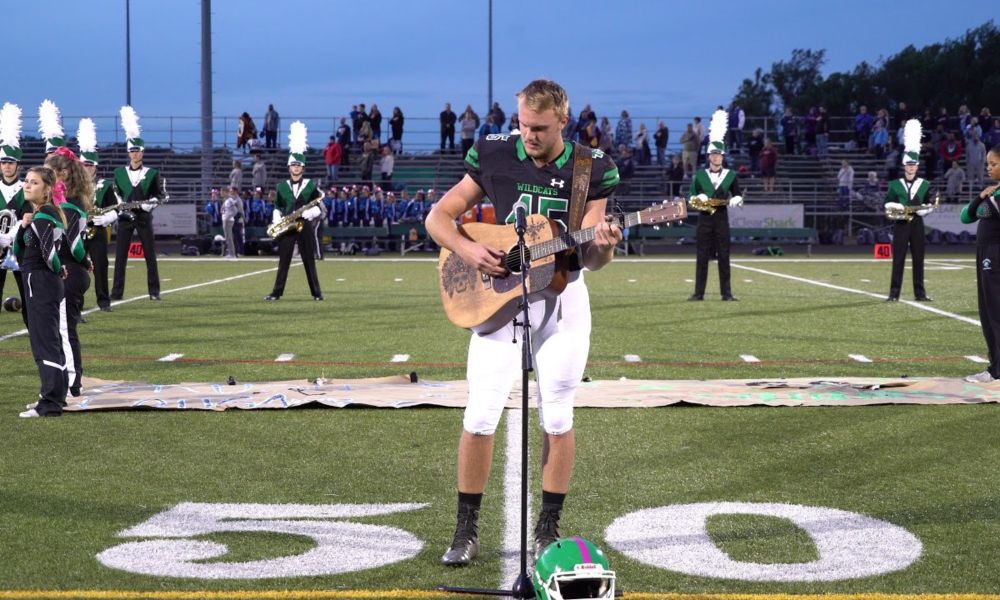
292, 220
8, 221
908, 212
709, 206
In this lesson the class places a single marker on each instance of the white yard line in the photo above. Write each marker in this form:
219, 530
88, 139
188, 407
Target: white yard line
978, 359
170, 357
861, 358
632, 358
920, 305
750, 358
284, 358
162, 293
510, 566
400, 358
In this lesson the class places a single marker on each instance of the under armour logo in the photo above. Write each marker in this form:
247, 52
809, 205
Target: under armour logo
559, 183
987, 264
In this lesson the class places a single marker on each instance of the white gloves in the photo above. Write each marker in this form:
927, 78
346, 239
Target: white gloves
311, 213
924, 211
736, 201
275, 217
106, 219
6, 240
148, 206
702, 197
894, 206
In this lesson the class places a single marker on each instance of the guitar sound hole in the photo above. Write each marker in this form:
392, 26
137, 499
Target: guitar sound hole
512, 260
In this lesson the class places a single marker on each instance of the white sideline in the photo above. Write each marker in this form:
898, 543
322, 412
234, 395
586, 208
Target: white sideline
920, 305
510, 566
162, 293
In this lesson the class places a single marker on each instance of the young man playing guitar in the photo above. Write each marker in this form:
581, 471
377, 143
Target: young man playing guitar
534, 169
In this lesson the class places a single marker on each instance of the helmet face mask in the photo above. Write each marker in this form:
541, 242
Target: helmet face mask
573, 568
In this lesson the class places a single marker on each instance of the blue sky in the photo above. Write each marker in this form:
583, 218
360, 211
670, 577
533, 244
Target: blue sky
316, 59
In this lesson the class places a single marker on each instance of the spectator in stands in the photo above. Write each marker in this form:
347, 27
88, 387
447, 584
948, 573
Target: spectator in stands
413, 211
569, 131
845, 185
626, 169
605, 142
809, 130
754, 146
257, 217
332, 155
899, 118
258, 176
964, 117
863, 123
514, 125
232, 211
468, 126
365, 133
991, 136
245, 131
396, 130
363, 207
588, 131
269, 205
929, 156
789, 130
344, 139
975, 162
236, 175
986, 121
689, 148
955, 178
944, 120
355, 122
388, 164
892, 161
699, 131
737, 120
338, 210
972, 127
448, 119
391, 210
768, 164
360, 119
213, 209
871, 190
822, 132
878, 139
375, 119
928, 122
661, 137
499, 116
623, 131
272, 121
951, 149
644, 155
675, 176
489, 127
369, 151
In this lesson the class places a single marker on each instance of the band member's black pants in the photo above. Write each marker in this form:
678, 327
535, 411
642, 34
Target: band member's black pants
44, 295
76, 285
988, 283
97, 248
142, 224
908, 234
713, 240
306, 239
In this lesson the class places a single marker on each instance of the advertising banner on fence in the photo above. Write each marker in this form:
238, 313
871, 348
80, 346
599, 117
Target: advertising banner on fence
175, 219
759, 216
946, 218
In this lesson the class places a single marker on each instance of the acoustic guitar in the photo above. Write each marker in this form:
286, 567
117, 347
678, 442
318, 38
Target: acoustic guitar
483, 303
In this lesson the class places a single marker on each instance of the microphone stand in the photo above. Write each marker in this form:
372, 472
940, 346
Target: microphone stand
522, 588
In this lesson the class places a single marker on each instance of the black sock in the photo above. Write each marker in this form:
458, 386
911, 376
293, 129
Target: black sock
470, 499
552, 501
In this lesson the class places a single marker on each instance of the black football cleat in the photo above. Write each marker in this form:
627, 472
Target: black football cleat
465, 545
546, 530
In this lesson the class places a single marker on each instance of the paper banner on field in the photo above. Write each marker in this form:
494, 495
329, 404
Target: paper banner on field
398, 392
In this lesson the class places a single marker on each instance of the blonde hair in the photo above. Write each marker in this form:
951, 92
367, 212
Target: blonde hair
542, 94
79, 186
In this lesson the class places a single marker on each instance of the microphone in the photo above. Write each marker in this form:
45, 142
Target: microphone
520, 219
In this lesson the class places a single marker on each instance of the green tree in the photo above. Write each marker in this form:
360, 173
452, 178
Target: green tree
756, 96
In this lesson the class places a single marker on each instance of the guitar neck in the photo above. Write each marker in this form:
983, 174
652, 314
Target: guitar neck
566, 240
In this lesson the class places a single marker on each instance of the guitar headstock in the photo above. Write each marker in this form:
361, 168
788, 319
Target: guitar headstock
666, 212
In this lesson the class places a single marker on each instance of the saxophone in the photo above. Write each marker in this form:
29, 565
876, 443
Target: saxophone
710, 205
908, 212
8, 219
292, 220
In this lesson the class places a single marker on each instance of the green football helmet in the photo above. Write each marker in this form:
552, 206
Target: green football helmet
573, 568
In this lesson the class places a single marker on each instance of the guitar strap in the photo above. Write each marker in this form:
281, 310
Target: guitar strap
583, 162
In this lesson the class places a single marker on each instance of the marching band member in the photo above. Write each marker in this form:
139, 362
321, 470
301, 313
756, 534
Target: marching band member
11, 195
909, 191
104, 197
37, 245
293, 194
73, 255
714, 183
142, 185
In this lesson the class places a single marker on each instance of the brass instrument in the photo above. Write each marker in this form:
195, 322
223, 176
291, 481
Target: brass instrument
8, 220
709, 206
908, 212
292, 220
97, 212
